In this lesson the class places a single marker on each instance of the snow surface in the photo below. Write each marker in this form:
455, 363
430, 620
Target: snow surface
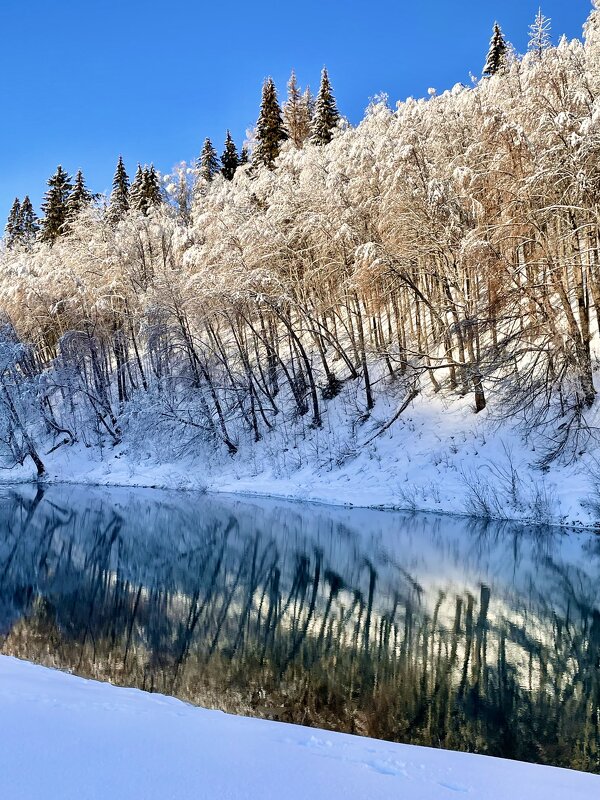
63, 737
428, 460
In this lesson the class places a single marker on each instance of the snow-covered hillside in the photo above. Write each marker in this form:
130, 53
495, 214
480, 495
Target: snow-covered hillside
437, 456
91, 740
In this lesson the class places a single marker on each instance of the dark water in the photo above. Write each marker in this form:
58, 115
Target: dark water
424, 629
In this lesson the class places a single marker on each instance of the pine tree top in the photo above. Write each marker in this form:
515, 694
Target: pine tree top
12, 231
208, 163
60, 180
497, 53
29, 219
54, 205
119, 197
270, 131
21, 226
326, 115
230, 159
136, 190
151, 186
297, 112
15, 209
145, 190
80, 196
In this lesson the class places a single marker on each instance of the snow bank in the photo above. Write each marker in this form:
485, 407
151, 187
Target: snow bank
438, 456
62, 737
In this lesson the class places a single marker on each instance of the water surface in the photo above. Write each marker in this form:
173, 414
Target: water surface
417, 628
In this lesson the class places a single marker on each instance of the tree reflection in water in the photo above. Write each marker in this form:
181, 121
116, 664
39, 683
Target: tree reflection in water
432, 630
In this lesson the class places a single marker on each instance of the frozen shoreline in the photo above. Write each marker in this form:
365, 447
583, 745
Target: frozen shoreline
273, 490
95, 740
437, 458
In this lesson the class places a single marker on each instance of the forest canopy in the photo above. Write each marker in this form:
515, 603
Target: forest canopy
447, 245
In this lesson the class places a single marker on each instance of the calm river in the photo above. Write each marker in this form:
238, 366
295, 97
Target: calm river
425, 629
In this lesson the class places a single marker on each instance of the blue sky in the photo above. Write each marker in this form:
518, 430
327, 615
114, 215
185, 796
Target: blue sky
83, 80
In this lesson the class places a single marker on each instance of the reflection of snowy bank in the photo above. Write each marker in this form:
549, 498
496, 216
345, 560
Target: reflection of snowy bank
95, 741
461, 632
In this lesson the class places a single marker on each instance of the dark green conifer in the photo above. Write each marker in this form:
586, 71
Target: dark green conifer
244, 156
496, 57
230, 159
13, 230
80, 196
119, 197
270, 131
29, 220
55, 205
208, 163
326, 115
145, 190
151, 188
136, 191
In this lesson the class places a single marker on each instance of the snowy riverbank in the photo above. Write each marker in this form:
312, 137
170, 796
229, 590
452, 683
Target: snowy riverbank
93, 740
438, 456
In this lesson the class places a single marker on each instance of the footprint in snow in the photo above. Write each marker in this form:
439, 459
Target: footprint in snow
453, 787
388, 768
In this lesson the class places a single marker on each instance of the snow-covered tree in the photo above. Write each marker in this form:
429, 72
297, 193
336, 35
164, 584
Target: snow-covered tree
55, 206
80, 196
119, 197
270, 131
136, 190
178, 189
29, 221
326, 115
591, 34
497, 53
208, 163
13, 230
296, 113
539, 34
145, 191
151, 187
230, 160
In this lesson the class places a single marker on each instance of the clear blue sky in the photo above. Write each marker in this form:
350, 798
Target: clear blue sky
85, 80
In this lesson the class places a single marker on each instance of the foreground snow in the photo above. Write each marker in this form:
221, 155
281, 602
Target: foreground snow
63, 737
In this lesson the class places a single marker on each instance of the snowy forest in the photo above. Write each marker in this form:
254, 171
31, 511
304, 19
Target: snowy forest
446, 247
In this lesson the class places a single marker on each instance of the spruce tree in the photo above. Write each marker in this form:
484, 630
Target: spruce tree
230, 159
29, 220
80, 196
497, 54
118, 204
270, 131
55, 206
296, 113
326, 115
308, 101
244, 156
183, 196
208, 163
539, 34
145, 189
136, 191
151, 188
13, 230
